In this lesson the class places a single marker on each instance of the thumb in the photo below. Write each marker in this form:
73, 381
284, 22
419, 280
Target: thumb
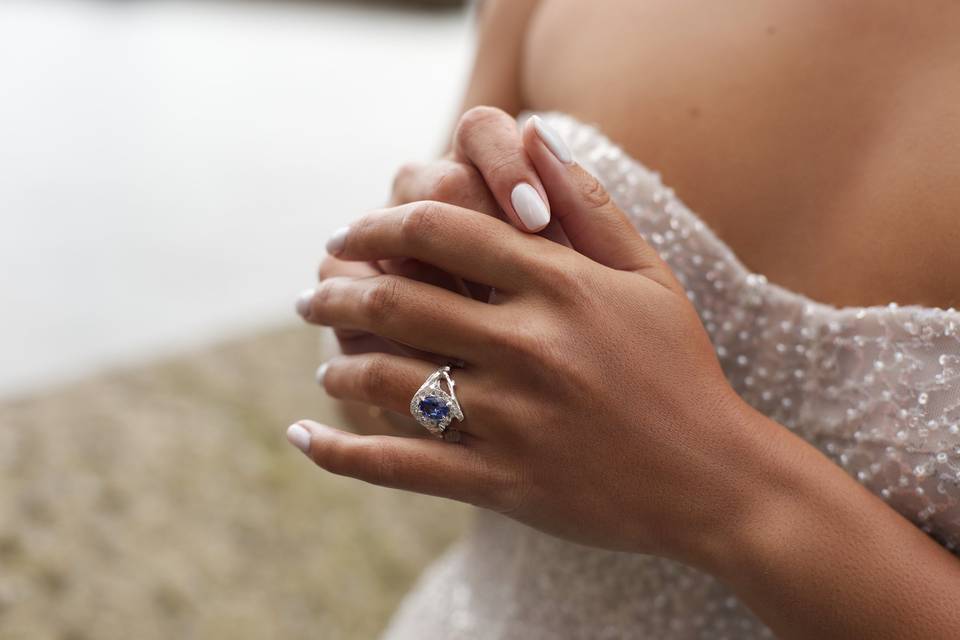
593, 223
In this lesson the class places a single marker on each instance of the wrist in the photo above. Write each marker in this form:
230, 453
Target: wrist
813, 553
769, 484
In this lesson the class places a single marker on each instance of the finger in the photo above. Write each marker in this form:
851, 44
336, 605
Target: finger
423, 272
389, 382
458, 241
488, 138
594, 224
447, 181
425, 466
358, 342
416, 270
354, 341
412, 313
331, 267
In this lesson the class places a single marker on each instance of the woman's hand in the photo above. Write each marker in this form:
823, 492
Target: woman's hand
488, 171
486, 167
595, 406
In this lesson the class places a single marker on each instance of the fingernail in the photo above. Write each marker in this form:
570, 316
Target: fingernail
337, 240
303, 302
321, 371
299, 437
529, 206
552, 140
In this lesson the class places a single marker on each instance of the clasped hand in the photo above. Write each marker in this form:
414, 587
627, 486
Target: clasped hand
595, 407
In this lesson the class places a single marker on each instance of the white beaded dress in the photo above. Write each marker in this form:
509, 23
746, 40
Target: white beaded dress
876, 389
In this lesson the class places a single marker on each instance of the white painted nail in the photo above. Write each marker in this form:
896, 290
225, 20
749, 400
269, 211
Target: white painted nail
552, 140
299, 437
337, 240
321, 372
303, 302
529, 206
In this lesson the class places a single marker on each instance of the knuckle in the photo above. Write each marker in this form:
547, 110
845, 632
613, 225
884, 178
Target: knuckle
557, 275
359, 457
382, 466
450, 184
475, 119
506, 167
363, 226
348, 337
404, 176
550, 267
567, 280
421, 221
372, 377
381, 299
531, 343
333, 456
506, 490
512, 498
595, 195
324, 293
328, 268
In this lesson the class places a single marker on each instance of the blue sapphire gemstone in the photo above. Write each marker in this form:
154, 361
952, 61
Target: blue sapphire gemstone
434, 408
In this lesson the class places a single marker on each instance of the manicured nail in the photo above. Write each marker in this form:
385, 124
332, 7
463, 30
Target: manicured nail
303, 302
321, 371
529, 206
337, 240
552, 140
299, 437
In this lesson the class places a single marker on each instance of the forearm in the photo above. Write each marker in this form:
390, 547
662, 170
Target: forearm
818, 556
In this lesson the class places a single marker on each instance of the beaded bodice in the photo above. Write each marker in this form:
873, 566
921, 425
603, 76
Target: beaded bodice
876, 389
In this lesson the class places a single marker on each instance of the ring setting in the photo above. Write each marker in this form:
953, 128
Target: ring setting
434, 407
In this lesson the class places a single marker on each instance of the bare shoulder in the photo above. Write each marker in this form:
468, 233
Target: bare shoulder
820, 140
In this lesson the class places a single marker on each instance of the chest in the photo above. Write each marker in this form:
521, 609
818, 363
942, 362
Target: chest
821, 141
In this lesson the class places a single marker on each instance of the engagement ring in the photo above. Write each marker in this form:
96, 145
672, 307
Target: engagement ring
435, 407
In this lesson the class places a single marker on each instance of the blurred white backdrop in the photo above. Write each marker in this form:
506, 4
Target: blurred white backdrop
170, 171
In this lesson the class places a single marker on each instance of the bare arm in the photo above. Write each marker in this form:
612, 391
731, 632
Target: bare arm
813, 553
495, 78
819, 556
698, 477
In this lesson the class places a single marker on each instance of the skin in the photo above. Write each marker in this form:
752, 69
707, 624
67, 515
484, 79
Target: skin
834, 155
841, 117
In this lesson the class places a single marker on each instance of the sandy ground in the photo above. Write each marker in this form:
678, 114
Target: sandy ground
164, 502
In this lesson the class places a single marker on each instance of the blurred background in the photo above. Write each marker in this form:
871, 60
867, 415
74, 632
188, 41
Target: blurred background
169, 173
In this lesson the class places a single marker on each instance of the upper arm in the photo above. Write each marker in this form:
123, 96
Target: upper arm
495, 77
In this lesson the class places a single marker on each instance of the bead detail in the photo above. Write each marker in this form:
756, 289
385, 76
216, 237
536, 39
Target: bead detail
876, 389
